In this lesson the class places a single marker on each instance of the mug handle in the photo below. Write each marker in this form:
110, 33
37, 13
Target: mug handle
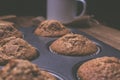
84, 8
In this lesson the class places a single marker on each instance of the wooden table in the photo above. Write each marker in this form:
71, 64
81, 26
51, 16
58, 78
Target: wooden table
103, 33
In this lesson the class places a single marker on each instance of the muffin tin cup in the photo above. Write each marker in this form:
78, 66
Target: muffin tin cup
63, 67
92, 54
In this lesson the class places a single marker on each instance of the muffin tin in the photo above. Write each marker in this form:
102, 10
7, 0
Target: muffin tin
63, 67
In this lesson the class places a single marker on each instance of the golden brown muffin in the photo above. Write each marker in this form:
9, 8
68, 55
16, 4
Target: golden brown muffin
13, 47
24, 70
51, 28
6, 23
73, 45
8, 30
104, 68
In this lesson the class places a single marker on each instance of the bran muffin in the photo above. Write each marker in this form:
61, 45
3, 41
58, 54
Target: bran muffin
51, 28
13, 47
8, 30
104, 68
18, 69
73, 45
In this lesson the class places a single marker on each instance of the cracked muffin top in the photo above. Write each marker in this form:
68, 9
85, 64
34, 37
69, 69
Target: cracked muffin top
51, 28
16, 48
8, 30
73, 45
18, 69
103, 68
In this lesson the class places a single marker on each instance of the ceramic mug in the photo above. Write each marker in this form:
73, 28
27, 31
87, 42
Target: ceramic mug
64, 10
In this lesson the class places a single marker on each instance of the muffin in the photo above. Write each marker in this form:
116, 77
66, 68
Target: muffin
73, 45
51, 28
104, 68
6, 23
13, 47
8, 30
24, 70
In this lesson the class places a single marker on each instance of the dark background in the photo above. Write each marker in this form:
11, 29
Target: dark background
23, 7
106, 11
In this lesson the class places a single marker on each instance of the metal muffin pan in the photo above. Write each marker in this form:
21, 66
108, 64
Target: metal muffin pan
63, 67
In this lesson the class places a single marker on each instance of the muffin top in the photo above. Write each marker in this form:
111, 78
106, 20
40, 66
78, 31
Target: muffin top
74, 45
8, 30
103, 68
51, 28
17, 48
18, 69
3, 23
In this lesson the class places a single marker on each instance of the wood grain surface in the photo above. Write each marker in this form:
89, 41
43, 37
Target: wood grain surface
104, 33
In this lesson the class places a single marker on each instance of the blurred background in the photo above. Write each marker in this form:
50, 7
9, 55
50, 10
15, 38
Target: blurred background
105, 11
